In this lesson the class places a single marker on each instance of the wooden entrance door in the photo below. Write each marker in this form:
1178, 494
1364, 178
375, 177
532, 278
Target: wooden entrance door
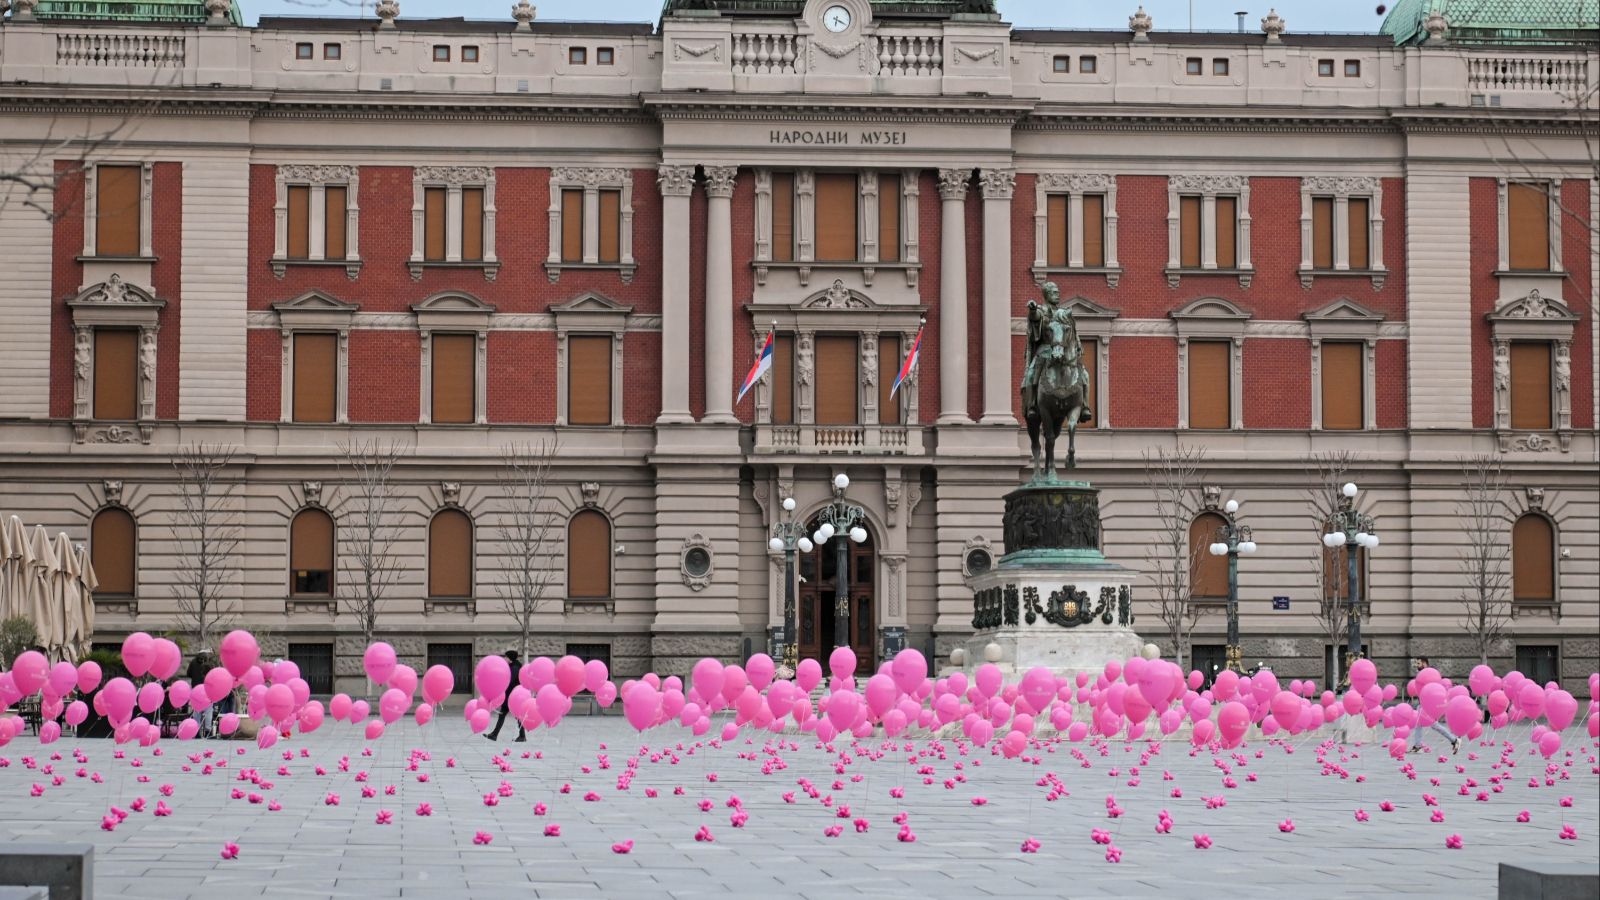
816, 595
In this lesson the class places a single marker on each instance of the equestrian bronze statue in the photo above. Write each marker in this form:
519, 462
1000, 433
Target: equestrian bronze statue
1055, 384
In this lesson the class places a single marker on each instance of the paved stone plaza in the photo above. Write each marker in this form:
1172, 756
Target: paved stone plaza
311, 849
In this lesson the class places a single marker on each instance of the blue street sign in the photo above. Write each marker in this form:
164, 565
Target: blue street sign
1280, 603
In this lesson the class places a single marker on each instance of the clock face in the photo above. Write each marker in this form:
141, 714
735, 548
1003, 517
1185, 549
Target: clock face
836, 19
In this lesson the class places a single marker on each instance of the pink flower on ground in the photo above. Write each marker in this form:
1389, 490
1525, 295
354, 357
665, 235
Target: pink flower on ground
1568, 833
331, 800
861, 826
833, 831
162, 809
424, 809
1386, 806
540, 809
274, 806
1453, 842
897, 792
1113, 854
552, 831
1202, 842
1524, 816
623, 847
1362, 815
482, 838
1286, 826
705, 805
1438, 816
704, 835
230, 851
979, 801
1029, 845
1565, 801
384, 817
906, 836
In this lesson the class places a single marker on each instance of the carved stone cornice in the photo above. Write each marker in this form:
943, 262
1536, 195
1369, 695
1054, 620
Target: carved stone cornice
720, 180
997, 184
1341, 185
1209, 184
1076, 182
453, 174
953, 183
317, 174
675, 181
589, 176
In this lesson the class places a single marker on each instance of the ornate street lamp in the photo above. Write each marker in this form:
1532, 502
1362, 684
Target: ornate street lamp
1232, 540
840, 519
788, 536
1354, 530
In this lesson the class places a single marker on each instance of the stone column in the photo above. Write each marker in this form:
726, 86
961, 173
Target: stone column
719, 293
676, 183
996, 186
953, 297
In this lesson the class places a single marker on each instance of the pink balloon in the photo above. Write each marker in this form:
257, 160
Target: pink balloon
339, 707
908, 670
478, 721
228, 724
393, 704
881, 692
569, 675
552, 704
30, 671
594, 675
1286, 707
187, 729
1363, 675
1530, 700
1226, 686
437, 684
808, 675
379, 660
606, 695
707, 679
989, 680
62, 678
492, 677
119, 694
138, 652
300, 690
359, 710
88, 676
77, 711
404, 679
760, 669
279, 702
1460, 714
310, 716
167, 657
1203, 732
239, 652
198, 700
1560, 708
733, 683
178, 693
843, 708
252, 677
1232, 723
1549, 743
374, 730
640, 706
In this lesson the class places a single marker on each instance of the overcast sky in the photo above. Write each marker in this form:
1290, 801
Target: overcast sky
1170, 15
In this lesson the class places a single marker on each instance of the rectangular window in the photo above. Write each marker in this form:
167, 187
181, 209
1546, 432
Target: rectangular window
1530, 384
888, 368
441, 53
1210, 400
1061, 64
1527, 226
1352, 68
1091, 365
315, 662
572, 226
605, 56
838, 358
454, 377
1540, 662
472, 223
116, 373
1094, 230
889, 218
1322, 232
577, 56
783, 216
332, 51
1324, 68
1189, 232
836, 217
1219, 67
433, 223
589, 380
1056, 230
299, 221
1360, 215
333, 221
1208, 660
783, 379
469, 54
316, 361
458, 659
1227, 232
1193, 65
1342, 386
588, 652
610, 226
1088, 65
302, 51
117, 206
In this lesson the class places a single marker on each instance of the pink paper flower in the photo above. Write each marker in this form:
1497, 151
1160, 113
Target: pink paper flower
1568, 833
1438, 816
552, 830
1565, 801
623, 847
384, 817
861, 826
162, 809
1202, 842
230, 851
979, 801
1524, 816
330, 800
482, 838
1029, 845
833, 831
1453, 842
704, 835
1362, 815
540, 809
1286, 826
906, 836
1386, 806
1113, 854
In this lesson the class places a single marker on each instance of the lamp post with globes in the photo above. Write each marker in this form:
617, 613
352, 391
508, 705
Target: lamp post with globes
787, 537
1355, 530
841, 519
1232, 540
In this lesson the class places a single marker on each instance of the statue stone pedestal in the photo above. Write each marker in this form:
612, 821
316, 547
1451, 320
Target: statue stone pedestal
1053, 600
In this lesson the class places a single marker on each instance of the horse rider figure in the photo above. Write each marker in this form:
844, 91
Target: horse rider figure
1053, 347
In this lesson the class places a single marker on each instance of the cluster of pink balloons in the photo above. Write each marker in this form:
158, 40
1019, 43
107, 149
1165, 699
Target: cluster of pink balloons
543, 691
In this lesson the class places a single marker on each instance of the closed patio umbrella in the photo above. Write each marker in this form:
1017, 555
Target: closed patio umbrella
88, 583
64, 605
19, 569
5, 570
42, 571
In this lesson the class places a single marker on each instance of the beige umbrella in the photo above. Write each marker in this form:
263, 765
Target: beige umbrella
39, 583
5, 571
21, 568
88, 582
64, 605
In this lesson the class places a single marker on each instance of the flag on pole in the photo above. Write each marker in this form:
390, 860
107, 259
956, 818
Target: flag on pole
763, 363
910, 364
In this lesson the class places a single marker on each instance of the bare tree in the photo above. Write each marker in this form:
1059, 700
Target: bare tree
1174, 480
369, 530
1486, 579
525, 532
32, 177
1327, 472
205, 529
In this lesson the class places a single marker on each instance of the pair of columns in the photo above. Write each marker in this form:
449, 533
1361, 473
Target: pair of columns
677, 185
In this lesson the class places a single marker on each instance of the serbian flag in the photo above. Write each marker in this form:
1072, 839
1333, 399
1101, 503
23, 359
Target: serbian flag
911, 363
763, 363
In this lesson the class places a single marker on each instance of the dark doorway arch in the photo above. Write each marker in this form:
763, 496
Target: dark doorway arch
817, 590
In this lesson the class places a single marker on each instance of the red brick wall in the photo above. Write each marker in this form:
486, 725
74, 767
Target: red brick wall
1391, 377
1577, 257
1484, 242
1276, 384
522, 198
264, 375
1144, 382
744, 286
166, 242
385, 376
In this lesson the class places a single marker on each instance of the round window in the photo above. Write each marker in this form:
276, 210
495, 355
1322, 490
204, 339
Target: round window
978, 561
697, 562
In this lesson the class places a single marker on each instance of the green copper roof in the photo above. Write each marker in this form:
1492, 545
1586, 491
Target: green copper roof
182, 12
1498, 21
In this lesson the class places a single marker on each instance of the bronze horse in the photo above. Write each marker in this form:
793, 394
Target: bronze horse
1060, 399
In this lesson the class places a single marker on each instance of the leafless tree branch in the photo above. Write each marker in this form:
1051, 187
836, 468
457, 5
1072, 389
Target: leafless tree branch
1327, 472
206, 531
525, 532
1174, 481
369, 530
1485, 576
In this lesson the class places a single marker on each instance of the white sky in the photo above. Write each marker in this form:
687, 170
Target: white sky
1170, 15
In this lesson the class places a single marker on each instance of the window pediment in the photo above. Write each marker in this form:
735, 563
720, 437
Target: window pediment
1092, 318
1343, 318
591, 311
1534, 317
1210, 317
452, 310
115, 302
315, 309
838, 296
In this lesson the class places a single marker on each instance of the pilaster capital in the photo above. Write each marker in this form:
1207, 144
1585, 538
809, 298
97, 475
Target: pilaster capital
953, 183
675, 181
997, 184
720, 180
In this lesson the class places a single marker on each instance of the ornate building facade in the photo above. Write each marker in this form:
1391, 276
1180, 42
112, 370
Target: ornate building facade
466, 237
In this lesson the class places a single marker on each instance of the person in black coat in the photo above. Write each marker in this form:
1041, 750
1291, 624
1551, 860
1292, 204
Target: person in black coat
515, 660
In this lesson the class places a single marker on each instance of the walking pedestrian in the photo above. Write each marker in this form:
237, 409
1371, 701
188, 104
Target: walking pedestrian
1436, 725
198, 667
515, 660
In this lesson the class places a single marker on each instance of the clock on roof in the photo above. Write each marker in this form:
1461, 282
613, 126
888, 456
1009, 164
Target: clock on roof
836, 18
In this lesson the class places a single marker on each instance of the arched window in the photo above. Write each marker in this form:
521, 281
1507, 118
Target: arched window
311, 553
589, 555
1533, 559
114, 551
1210, 572
450, 554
